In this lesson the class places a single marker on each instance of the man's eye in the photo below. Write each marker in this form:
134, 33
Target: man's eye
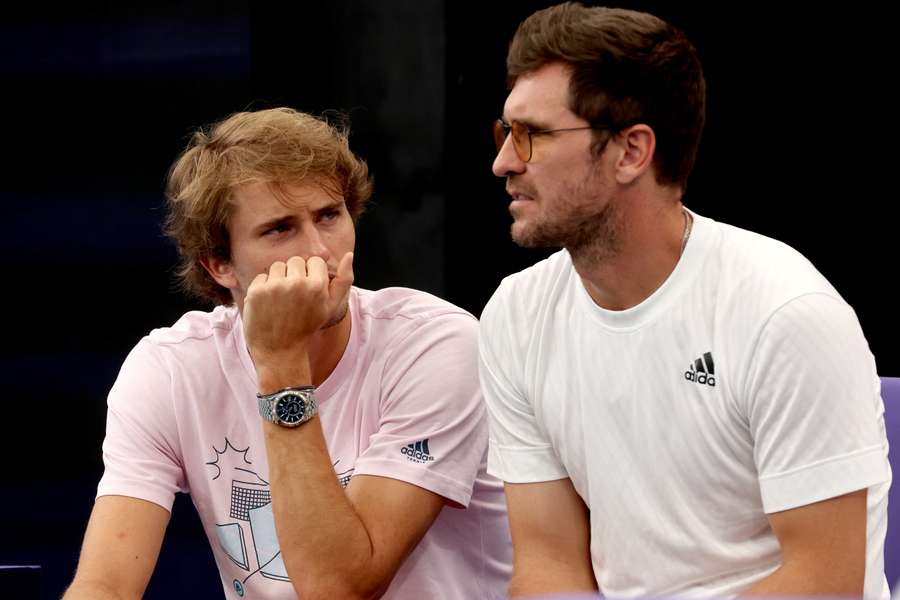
275, 229
330, 215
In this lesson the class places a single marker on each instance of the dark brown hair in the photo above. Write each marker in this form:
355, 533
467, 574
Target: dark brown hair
280, 146
626, 67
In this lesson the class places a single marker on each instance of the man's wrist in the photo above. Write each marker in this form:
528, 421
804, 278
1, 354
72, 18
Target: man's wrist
281, 369
288, 407
271, 380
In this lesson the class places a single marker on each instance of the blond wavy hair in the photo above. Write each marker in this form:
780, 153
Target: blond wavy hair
279, 146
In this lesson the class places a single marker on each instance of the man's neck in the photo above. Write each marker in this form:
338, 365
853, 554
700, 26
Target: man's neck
327, 347
651, 237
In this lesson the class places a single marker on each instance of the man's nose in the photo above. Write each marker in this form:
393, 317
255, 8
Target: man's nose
508, 162
314, 243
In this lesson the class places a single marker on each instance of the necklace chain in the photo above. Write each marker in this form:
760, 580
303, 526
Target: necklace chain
688, 225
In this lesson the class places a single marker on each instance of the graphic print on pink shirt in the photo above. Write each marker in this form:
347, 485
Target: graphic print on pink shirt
247, 533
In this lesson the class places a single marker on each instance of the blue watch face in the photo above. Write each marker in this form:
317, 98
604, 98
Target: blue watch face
290, 408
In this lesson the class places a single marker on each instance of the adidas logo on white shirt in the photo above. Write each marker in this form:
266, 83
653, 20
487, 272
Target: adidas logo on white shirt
702, 370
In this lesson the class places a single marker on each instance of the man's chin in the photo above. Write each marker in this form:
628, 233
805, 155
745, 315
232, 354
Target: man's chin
520, 235
337, 317
526, 237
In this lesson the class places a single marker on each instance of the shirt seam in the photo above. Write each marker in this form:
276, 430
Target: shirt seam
819, 463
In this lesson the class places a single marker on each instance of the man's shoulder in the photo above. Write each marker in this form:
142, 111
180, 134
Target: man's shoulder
755, 281
765, 249
768, 271
196, 325
400, 304
526, 291
544, 271
397, 319
195, 347
196, 338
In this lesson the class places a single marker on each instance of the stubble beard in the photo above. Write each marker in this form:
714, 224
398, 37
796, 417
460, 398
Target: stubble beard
589, 231
337, 317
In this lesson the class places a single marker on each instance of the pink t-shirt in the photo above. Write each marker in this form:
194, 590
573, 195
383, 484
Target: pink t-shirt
403, 402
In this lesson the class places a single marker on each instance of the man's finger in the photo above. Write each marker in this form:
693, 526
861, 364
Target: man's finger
277, 270
343, 279
257, 281
296, 267
317, 271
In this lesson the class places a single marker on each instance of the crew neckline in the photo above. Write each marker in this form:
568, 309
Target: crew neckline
685, 272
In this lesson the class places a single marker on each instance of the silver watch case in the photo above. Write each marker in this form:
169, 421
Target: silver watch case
290, 407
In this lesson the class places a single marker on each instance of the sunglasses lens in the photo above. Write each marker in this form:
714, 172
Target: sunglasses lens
521, 141
500, 133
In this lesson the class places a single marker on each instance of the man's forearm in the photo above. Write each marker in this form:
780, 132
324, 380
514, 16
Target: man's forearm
326, 548
528, 586
81, 590
551, 577
797, 580
325, 545
779, 583
824, 549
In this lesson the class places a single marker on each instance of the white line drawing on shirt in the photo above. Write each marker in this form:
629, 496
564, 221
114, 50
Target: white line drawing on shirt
250, 507
247, 532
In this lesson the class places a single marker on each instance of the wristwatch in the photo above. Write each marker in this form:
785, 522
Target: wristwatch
290, 407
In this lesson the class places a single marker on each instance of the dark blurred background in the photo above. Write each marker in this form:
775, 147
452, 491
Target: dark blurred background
98, 100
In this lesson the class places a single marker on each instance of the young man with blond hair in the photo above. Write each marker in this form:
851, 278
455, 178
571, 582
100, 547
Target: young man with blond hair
332, 438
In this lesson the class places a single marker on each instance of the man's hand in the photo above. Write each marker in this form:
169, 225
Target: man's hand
285, 307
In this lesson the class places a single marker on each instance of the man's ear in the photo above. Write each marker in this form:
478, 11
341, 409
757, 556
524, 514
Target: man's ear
638, 144
221, 270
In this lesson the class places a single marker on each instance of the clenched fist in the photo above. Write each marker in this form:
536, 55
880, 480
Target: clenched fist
286, 306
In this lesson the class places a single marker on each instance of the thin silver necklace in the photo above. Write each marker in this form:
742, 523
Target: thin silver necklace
688, 225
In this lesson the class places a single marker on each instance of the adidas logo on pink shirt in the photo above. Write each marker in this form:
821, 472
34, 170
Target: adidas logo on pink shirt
417, 452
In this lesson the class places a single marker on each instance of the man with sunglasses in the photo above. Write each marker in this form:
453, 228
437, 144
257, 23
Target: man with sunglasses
677, 406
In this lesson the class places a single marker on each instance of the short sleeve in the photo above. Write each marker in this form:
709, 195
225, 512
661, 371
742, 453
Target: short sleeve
814, 406
519, 449
140, 450
432, 430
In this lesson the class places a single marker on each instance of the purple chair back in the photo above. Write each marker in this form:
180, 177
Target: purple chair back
890, 393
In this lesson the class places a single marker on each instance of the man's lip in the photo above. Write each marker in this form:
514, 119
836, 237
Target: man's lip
519, 197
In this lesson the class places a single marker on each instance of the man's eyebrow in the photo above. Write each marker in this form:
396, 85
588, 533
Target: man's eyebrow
534, 125
334, 205
529, 123
285, 220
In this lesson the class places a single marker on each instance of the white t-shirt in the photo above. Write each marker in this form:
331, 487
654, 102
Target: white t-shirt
403, 402
742, 386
